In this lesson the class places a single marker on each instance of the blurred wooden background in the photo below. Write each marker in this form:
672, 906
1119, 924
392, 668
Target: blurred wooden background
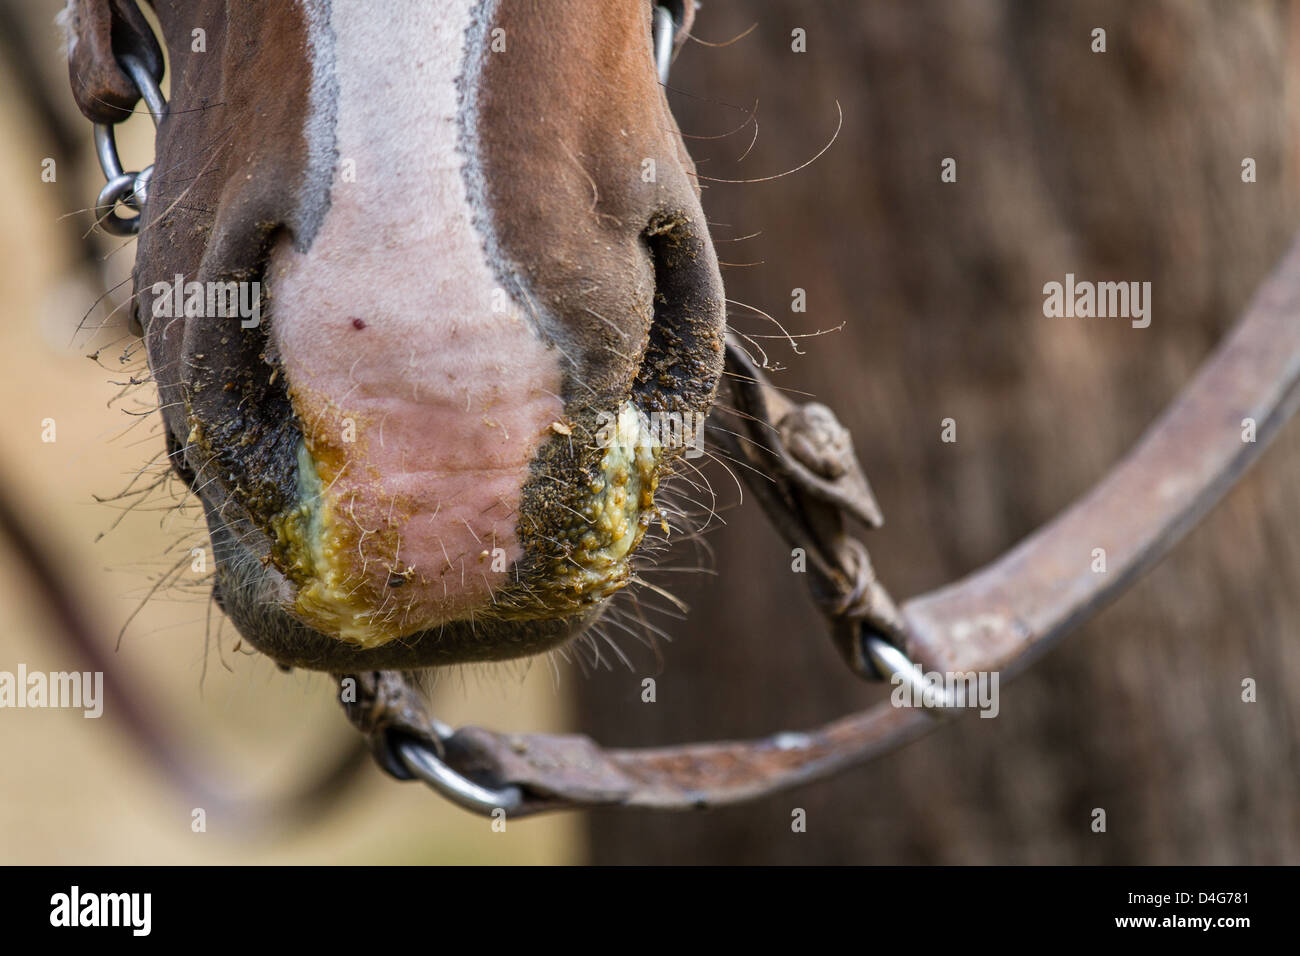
1123, 165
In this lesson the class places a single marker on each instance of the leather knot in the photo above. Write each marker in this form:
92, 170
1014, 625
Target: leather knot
381, 702
817, 440
805, 474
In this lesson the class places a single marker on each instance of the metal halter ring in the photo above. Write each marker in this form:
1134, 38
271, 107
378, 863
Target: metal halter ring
426, 765
890, 662
129, 189
667, 16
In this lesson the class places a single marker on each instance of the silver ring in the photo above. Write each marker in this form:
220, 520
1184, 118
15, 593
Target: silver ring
889, 661
149, 91
457, 788
106, 150
140, 191
119, 189
130, 189
665, 28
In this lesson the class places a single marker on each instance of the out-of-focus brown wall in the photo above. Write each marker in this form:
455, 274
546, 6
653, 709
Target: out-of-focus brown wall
1122, 165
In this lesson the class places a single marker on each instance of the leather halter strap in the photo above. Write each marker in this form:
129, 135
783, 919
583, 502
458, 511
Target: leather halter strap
101, 32
998, 619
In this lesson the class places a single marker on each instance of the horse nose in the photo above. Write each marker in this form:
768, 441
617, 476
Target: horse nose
422, 395
440, 423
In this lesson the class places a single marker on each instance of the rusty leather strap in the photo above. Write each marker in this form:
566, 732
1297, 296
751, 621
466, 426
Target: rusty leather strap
999, 618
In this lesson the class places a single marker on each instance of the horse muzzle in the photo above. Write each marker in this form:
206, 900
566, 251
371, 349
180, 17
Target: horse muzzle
486, 330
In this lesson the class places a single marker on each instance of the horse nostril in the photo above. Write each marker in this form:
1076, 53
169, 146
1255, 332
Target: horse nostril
683, 360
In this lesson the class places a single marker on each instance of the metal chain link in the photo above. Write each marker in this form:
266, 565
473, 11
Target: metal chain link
130, 189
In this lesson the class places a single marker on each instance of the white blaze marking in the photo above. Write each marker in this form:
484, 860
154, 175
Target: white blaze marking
450, 396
